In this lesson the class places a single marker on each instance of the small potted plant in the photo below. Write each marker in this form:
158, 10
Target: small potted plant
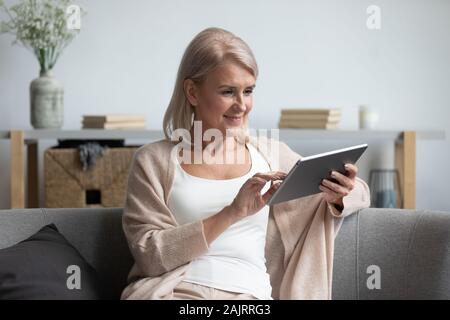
42, 26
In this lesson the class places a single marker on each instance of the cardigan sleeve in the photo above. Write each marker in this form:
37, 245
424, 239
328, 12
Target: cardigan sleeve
157, 243
357, 199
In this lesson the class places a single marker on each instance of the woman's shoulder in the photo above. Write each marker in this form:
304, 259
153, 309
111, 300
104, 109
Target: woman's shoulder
156, 150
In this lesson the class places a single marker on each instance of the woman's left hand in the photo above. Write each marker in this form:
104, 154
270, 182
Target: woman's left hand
334, 192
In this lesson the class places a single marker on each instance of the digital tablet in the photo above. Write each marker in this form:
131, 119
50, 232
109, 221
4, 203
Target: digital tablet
307, 174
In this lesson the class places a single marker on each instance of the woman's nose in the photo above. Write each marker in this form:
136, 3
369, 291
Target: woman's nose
240, 103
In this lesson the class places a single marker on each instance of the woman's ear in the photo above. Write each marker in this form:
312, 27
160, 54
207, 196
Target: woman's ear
190, 90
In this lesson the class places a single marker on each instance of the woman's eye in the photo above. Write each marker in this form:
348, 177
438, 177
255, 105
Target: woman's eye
227, 92
231, 92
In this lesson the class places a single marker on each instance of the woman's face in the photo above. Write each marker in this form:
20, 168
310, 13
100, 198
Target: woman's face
224, 100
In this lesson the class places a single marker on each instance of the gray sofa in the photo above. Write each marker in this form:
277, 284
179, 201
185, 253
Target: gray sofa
409, 251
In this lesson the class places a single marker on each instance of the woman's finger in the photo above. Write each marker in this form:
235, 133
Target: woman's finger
343, 180
252, 182
273, 175
335, 187
258, 180
352, 170
329, 194
269, 193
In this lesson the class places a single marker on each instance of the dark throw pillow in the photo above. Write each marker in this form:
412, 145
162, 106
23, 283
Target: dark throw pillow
46, 266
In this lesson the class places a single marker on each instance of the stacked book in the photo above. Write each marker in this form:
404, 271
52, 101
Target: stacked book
113, 121
310, 118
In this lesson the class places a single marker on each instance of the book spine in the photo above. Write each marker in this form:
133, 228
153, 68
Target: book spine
113, 125
311, 111
113, 118
313, 118
282, 124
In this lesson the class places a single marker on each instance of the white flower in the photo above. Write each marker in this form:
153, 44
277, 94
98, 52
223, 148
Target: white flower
40, 25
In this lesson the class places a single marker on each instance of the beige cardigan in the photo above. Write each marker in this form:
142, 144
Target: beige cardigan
300, 233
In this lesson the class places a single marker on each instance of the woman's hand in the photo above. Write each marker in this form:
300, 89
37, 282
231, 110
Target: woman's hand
249, 199
334, 192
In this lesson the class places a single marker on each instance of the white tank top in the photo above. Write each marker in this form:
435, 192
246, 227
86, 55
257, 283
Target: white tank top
235, 261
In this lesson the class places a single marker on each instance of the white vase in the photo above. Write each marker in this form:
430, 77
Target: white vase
47, 102
367, 118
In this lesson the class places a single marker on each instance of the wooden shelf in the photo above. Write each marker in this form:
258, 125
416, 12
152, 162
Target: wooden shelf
284, 134
292, 134
405, 152
86, 134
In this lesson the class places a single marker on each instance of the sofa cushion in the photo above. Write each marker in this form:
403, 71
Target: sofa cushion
46, 266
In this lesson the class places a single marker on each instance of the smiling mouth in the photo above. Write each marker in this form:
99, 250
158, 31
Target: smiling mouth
234, 118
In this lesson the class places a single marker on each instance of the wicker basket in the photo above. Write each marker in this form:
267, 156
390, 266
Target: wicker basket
104, 185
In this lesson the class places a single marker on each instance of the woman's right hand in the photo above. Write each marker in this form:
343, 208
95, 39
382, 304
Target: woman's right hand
249, 199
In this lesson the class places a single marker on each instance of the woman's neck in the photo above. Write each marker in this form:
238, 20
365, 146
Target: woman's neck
225, 145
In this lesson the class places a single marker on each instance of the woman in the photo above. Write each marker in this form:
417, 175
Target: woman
202, 230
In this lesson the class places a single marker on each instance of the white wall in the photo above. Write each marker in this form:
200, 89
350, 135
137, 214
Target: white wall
310, 53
